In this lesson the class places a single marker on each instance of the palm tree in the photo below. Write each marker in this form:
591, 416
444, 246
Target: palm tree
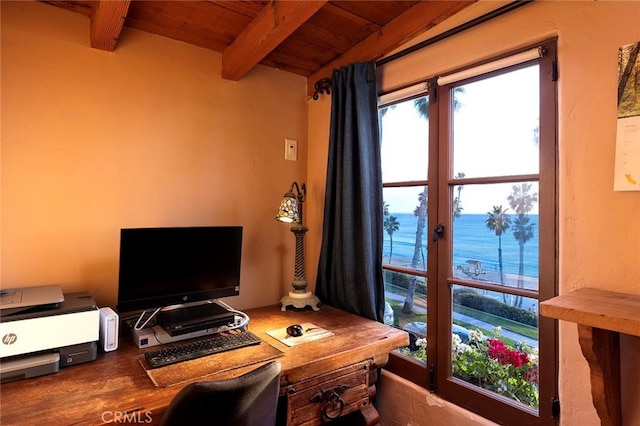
521, 201
457, 201
498, 222
391, 225
422, 105
421, 213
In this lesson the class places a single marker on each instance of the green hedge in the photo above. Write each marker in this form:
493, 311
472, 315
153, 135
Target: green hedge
402, 280
471, 299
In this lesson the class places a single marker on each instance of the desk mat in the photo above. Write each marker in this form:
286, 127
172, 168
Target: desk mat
206, 367
310, 333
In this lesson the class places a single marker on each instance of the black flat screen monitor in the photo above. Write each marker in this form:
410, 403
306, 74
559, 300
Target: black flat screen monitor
168, 266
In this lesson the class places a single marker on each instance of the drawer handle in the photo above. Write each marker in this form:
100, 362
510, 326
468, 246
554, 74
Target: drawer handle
331, 400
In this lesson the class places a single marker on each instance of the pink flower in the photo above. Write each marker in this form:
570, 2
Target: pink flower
498, 351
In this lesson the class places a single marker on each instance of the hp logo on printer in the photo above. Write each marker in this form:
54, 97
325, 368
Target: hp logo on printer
9, 339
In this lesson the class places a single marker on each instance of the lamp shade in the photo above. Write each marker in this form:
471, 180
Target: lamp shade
288, 211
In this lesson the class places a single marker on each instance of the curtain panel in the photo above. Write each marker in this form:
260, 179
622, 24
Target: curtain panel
350, 266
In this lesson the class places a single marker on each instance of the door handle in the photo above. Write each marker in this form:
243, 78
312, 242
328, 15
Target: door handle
438, 232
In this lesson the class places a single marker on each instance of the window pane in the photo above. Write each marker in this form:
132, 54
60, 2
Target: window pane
495, 344
495, 238
405, 218
405, 131
406, 299
495, 125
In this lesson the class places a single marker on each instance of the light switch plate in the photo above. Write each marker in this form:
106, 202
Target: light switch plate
291, 149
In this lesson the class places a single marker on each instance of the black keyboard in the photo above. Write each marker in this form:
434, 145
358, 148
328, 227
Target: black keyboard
203, 347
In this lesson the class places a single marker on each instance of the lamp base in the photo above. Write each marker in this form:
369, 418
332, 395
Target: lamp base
300, 300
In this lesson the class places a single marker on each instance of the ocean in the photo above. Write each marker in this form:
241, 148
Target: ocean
472, 240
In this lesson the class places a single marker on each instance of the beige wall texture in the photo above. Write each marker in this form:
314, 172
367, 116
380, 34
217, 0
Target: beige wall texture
148, 135
599, 232
403, 403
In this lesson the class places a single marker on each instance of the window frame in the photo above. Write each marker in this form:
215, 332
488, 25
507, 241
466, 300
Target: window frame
439, 314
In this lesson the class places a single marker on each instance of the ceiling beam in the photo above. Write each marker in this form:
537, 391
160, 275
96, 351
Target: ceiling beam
277, 21
106, 23
416, 20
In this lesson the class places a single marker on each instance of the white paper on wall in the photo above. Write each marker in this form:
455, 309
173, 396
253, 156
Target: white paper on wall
627, 171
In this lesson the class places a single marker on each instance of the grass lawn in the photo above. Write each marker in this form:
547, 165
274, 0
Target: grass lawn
400, 318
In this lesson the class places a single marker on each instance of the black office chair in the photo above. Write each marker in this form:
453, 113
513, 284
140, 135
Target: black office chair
247, 400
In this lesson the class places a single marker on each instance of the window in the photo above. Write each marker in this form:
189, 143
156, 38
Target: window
469, 185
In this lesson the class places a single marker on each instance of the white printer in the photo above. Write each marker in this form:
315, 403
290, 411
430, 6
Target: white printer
39, 339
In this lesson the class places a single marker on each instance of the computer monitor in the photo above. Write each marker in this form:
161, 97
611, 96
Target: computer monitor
169, 266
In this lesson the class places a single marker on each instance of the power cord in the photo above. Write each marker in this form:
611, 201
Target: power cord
241, 320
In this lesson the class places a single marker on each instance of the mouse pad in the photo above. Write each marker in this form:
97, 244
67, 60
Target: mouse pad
207, 367
310, 333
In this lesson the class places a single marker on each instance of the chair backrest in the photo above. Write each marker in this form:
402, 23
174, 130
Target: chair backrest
246, 400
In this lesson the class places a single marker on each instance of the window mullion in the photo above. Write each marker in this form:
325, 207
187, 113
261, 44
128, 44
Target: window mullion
432, 265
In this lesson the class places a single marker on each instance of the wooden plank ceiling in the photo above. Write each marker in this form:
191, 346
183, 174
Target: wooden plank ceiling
309, 38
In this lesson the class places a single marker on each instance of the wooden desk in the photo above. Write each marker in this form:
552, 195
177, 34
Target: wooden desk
115, 387
601, 317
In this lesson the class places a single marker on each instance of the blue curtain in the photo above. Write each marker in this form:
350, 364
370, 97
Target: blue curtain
350, 266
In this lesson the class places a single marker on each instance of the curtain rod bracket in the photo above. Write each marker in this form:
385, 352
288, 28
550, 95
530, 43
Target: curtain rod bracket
322, 86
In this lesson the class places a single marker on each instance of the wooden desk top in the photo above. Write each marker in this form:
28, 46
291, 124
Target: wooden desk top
115, 383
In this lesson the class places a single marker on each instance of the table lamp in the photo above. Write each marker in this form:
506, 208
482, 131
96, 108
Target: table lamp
290, 211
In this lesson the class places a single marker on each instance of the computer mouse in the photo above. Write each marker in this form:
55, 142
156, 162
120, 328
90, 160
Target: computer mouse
295, 330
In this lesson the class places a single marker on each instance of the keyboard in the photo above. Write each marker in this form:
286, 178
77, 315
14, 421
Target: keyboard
203, 347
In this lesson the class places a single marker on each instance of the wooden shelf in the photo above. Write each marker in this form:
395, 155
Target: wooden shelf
601, 316
596, 308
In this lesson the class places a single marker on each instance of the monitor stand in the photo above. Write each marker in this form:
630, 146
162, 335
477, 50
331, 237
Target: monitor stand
156, 335
188, 319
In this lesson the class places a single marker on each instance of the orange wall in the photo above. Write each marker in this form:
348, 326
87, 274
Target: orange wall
148, 135
599, 228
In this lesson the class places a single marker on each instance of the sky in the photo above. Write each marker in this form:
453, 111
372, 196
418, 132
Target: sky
493, 136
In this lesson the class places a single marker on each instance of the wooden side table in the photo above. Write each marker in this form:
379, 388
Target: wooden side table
601, 317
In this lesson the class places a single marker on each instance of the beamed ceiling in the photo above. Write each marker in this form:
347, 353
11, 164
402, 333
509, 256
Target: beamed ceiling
308, 38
